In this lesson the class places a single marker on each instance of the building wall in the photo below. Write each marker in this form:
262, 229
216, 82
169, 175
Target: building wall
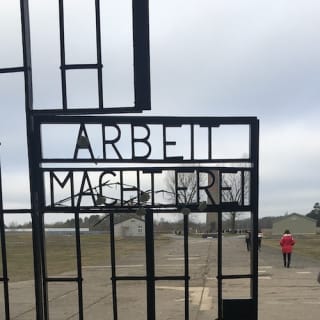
297, 224
130, 228
212, 222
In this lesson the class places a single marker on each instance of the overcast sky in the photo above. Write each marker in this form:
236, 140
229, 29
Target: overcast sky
208, 58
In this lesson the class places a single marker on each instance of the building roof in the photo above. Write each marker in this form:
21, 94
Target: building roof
298, 215
129, 218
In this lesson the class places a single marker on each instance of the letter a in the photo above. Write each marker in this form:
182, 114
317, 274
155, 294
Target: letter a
83, 142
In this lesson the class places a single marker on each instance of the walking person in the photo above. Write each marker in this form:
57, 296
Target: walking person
286, 243
260, 235
248, 240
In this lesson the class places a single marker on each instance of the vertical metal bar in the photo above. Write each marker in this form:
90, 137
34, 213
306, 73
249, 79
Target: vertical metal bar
151, 310
62, 56
41, 204
141, 54
99, 59
192, 142
219, 254
113, 268
79, 265
152, 189
44, 268
254, 190
4, 256
41, 227
138, 187
186, 265
33, 158
243, 177
176, 175
121, 188
219, 267
209, 143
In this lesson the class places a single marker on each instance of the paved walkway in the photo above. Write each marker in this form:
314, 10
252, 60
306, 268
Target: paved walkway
284, 294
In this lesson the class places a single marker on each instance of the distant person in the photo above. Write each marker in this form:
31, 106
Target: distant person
286, 243
248, 240
260, 235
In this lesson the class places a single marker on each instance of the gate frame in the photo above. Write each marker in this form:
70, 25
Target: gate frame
142, 102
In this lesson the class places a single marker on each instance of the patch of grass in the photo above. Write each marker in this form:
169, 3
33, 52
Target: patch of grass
19, 256
61, 252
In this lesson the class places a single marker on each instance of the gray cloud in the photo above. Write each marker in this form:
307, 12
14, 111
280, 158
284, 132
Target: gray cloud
217, 58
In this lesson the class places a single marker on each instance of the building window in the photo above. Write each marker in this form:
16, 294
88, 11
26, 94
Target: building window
139, 229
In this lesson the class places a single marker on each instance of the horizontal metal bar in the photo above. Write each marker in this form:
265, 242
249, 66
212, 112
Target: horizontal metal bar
133, 278
84, 111
172, 278
12, 70
4, 279
16, 211
66, 279
236, 276
128, 278
145, 169
127, 210
171, 160
167, 121
81, 66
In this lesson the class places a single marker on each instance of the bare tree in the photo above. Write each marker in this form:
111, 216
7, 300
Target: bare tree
187, 183
235, 189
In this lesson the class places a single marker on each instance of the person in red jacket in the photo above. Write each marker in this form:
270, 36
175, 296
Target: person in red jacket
286, 243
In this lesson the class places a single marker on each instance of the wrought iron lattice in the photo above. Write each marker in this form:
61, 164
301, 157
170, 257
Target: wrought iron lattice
141, 60
4, 277
149, 154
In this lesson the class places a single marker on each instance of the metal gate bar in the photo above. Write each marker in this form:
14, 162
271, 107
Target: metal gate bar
44, 268
4, 277
79, 266
33, 160
150, 276
254, 189
219, 266
113, 267
62, 56
254, 219
140, 18
150, 267
253, 275
186, 265
142, 101
141, 60
78, 279
99, 58
64, 66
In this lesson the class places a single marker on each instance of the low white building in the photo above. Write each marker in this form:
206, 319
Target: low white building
132, 227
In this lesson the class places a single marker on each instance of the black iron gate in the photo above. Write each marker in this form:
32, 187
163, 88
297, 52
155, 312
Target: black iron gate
143, 147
